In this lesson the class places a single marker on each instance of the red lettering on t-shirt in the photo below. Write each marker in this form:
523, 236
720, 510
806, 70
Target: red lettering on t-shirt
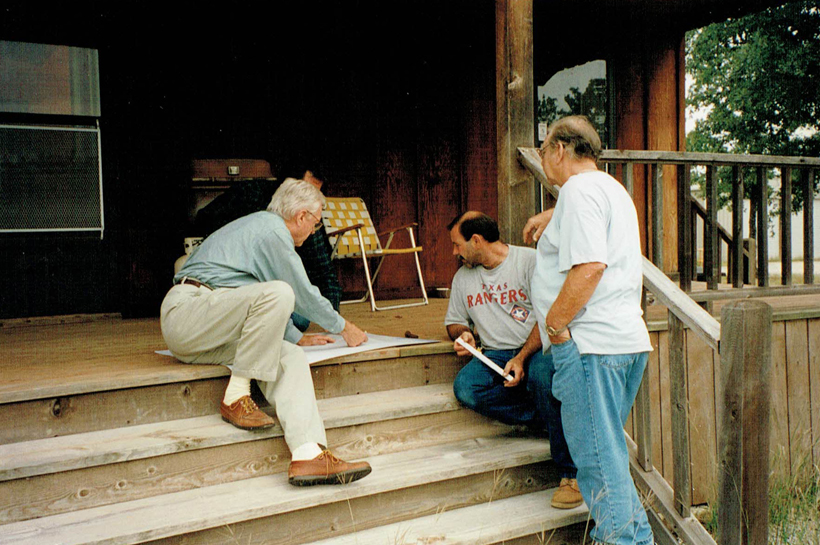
522, 296
512, 296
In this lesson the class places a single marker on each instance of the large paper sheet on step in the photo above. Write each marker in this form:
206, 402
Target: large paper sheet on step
340, 348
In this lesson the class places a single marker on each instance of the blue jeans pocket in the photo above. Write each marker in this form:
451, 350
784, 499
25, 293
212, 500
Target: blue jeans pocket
616, 361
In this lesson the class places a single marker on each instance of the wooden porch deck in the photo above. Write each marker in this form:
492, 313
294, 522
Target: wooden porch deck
60, 356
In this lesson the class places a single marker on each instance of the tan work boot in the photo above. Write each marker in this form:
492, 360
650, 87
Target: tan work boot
326, 469
568, 495
245, 414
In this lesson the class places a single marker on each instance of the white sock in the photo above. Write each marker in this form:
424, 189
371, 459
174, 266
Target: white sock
237, 387
308, 451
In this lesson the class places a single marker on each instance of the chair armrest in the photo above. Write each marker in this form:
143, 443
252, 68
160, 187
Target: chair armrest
398, 229
345, 230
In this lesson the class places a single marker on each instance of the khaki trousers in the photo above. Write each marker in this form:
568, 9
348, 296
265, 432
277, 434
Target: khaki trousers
243, 329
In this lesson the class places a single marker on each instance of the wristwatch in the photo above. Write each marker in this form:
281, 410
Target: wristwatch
552, 332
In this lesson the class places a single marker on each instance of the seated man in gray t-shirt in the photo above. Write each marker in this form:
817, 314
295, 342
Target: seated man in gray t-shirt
490, 296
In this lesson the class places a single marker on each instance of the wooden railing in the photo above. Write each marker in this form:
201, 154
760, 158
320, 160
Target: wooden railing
745, 354
688, 211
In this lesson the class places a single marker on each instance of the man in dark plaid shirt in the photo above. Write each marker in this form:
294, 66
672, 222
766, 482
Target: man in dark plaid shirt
254, 195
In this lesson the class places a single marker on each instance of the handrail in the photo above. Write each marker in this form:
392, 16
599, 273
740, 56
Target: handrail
717, 159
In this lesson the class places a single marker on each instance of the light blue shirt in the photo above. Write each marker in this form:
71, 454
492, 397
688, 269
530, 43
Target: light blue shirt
259, 248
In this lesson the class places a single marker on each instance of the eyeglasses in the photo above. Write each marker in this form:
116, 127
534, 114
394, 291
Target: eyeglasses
318, 220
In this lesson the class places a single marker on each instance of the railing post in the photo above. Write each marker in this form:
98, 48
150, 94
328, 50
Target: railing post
762, 198
745, 356
736, 248
685, 250
807, 179
679, 396
785, 226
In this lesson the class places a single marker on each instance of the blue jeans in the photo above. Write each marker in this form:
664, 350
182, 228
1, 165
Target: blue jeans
530, 404
596, 394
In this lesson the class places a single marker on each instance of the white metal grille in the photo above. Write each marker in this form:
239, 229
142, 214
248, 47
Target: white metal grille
50, 179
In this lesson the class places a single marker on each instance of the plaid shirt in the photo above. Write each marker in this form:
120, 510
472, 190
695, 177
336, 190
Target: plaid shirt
254, 195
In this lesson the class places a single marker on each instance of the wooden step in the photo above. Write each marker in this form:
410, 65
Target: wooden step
484, 524
62, 474
403, 485
149, 391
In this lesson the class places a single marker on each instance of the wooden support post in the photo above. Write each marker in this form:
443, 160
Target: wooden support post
807, 180
745, 378
786, 226
657, 214
736, 251
711, 249
515, 115
762, 198
679, 395
641, 418
685, 244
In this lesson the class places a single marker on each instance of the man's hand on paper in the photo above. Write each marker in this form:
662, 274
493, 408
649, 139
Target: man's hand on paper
536, 225
468, 338
352, 335
514, 368
315, 339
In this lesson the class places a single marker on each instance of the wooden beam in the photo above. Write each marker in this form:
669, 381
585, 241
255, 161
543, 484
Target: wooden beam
515, 118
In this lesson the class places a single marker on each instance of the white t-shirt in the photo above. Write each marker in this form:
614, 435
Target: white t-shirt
595, 221
496, 302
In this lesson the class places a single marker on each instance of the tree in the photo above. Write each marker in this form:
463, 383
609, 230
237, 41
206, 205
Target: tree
757, 78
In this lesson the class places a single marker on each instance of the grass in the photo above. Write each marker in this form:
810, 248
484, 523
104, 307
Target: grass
794, 505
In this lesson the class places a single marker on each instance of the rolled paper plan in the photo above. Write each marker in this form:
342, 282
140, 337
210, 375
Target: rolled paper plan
485, 360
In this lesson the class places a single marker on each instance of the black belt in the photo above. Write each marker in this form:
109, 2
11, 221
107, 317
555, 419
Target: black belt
194, 282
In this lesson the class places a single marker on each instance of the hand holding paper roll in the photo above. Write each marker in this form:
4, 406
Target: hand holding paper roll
484, 359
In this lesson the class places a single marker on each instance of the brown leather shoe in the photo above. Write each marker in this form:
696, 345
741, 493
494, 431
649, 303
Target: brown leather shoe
326, 469
245, 414
568, 496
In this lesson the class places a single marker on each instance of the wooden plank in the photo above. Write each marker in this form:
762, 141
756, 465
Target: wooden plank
38, 457
711, 246
736, 249
798, 381
216, 506
762, 205
814, 382
679, 418
64, 415
474, 525
656, 213
332, 519
753, 293
652, 380
684, 213
786, 225
728, 159
668, 294
807, 179
660, 498
665, 439
134, 479
702, 425
743, 475
779, 460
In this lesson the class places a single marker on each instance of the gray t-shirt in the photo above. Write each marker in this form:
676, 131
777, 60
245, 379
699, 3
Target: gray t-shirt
495, 302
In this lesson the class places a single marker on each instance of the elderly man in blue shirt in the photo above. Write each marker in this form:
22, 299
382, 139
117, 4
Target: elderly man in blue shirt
231, 305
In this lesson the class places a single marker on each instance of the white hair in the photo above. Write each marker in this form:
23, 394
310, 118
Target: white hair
295, 195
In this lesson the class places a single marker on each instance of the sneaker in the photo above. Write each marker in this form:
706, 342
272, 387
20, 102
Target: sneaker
568, 495
245, 414
326, 469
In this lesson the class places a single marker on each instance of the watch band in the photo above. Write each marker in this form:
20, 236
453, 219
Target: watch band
552, 332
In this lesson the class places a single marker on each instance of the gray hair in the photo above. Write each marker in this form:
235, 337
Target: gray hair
578, 135
295, 195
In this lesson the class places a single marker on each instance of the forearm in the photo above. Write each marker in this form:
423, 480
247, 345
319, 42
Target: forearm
531, 345
455, 330
576, 292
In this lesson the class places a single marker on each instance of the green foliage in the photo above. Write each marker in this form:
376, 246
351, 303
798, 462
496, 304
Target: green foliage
758, 77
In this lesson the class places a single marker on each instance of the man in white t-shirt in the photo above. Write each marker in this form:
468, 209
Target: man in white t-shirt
587, 298
490, 296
